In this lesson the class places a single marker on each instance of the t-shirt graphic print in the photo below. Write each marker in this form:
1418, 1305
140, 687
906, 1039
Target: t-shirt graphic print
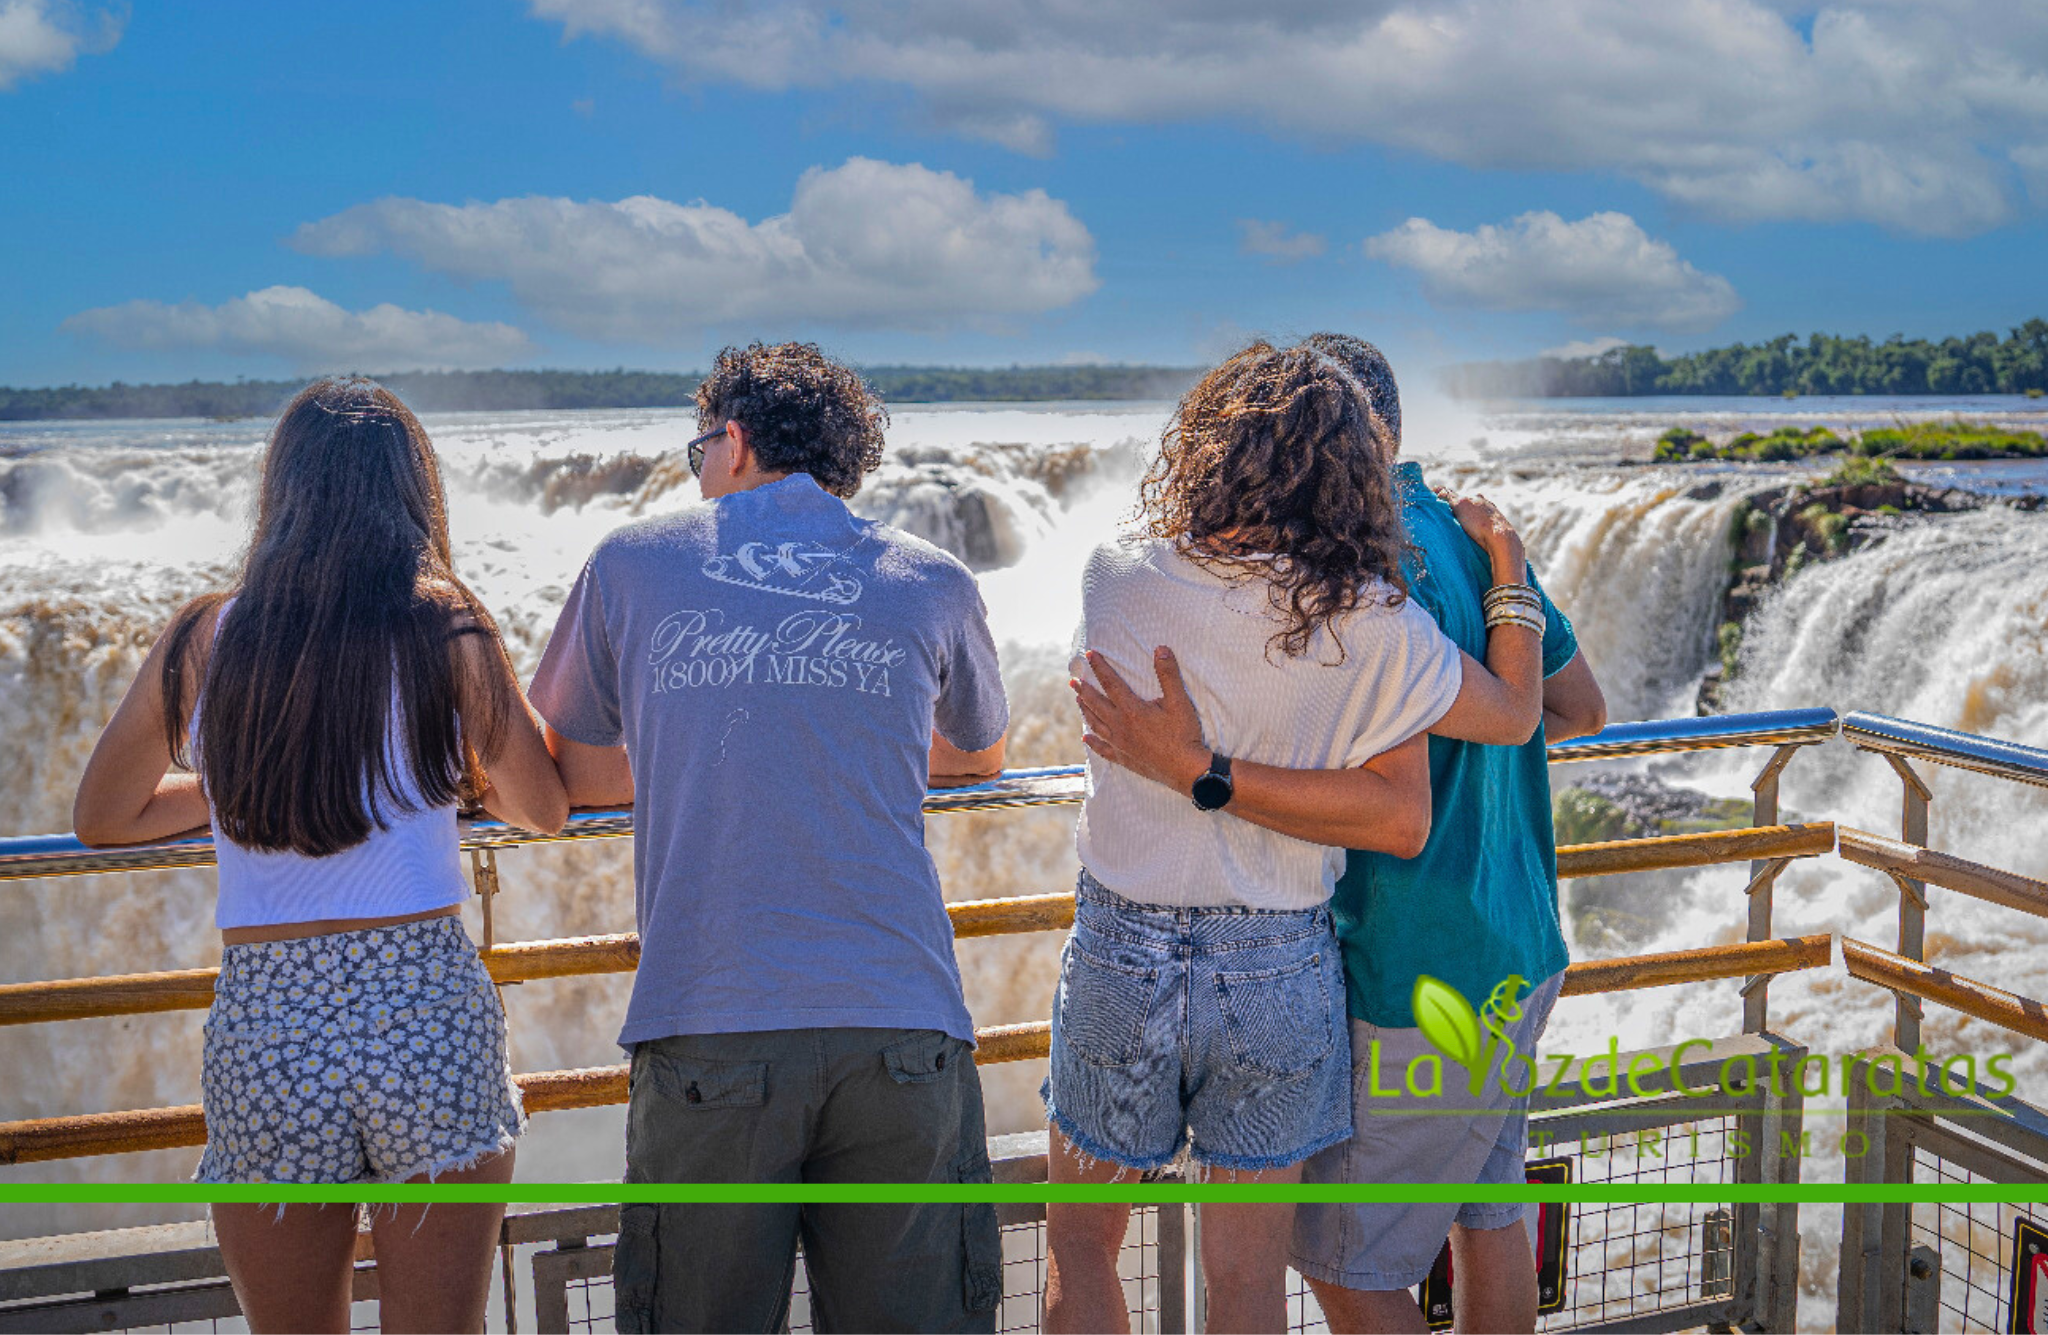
775, 667
698, 646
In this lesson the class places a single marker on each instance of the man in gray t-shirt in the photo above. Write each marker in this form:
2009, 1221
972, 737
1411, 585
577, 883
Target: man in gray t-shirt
771, 681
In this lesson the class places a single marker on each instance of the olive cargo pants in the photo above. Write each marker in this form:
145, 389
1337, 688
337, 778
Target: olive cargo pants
807, 1105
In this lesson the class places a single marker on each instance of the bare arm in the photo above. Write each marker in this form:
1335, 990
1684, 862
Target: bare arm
1382, 805
524, 787
594, 776
128, 794
950, 767
1573, 705
1501, 700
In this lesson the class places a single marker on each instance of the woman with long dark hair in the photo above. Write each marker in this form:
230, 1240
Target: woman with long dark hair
334, 708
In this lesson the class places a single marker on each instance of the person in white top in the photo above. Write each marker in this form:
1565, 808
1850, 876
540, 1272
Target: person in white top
335, 706
1201, 1001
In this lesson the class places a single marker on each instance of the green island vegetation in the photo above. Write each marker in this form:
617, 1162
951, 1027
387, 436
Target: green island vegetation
1788, 366
1868, 453
1610, 911
506, 391
1586, 817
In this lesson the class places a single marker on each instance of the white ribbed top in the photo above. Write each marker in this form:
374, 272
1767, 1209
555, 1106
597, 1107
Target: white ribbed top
411, 865
1399, 675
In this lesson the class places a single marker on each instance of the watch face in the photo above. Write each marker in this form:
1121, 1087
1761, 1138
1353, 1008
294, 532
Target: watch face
1211, 791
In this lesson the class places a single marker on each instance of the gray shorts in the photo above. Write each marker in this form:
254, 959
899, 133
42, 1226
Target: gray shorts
807, 1105
1450, 1137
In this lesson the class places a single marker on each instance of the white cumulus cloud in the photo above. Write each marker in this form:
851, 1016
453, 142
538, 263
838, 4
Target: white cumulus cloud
864, 245
1277, 242
46, 36
1881, 110
309, 331
1602, 269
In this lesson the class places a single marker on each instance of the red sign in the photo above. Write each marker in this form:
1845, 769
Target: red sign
1553, 1223
2027, 1299
1552, 1220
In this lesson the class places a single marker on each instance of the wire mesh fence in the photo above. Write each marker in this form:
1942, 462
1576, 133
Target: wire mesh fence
1624, 1262
1147, 1269
215, 1297
1972, 1246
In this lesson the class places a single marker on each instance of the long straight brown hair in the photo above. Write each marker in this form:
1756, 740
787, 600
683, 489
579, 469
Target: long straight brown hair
336, 666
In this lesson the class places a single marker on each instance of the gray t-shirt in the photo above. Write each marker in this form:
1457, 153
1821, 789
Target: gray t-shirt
775, 667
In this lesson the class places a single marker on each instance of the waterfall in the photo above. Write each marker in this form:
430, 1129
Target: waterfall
105, 529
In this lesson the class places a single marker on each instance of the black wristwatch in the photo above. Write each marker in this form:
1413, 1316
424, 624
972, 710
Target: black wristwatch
1214, 789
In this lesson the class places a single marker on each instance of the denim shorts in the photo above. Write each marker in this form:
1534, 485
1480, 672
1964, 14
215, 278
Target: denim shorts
368, 1056
1219, 1029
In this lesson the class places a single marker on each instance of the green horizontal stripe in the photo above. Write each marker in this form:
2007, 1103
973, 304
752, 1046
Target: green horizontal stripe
612, 1193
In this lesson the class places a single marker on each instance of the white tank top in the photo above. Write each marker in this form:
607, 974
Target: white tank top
411, 865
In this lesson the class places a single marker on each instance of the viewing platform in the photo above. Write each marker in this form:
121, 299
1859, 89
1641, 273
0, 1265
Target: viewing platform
1641, 1265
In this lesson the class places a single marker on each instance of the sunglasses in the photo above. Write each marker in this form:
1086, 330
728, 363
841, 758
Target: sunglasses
696, 450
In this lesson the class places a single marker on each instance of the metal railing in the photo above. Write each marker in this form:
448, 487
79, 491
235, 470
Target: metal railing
1768, 846
1737, 1265
1897, 1271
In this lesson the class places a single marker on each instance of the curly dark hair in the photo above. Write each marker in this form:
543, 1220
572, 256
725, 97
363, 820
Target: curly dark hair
1277, 454
803, 411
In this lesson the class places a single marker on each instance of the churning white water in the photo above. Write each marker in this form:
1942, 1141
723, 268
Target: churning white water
106, 527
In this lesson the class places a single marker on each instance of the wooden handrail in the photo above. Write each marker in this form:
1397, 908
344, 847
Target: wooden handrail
554, 1091
1740, 959
1874, 964
516, 962
2003, 888
79, 1136
1696, 850
527, 961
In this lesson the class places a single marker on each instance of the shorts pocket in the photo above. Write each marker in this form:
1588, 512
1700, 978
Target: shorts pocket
923, 1057
1102, 1007
981, 1238
1278, 1020
697, 1083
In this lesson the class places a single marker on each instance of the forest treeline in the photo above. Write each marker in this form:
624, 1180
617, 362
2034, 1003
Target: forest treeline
1981, 363
504, 391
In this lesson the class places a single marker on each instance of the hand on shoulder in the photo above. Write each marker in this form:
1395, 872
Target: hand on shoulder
1489, 528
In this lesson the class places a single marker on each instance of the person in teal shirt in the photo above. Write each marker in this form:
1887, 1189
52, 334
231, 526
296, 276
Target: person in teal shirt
1476, 908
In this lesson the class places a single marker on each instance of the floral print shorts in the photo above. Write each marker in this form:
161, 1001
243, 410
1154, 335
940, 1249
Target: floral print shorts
368, 1056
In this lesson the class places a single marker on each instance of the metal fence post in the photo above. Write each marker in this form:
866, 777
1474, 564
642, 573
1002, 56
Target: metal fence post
1762, 875
1896, 1220
1923, 1291
1862, 1228
1173, 1269
1777, 1292
1912, 900
1870, 1292
508, 1256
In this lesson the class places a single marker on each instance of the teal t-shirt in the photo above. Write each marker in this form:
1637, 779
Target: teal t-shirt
1480, 902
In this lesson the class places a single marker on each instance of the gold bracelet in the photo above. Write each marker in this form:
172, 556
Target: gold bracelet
1513, 617
1501, 593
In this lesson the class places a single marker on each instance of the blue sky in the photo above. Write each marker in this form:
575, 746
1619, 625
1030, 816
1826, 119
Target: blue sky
265, 189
